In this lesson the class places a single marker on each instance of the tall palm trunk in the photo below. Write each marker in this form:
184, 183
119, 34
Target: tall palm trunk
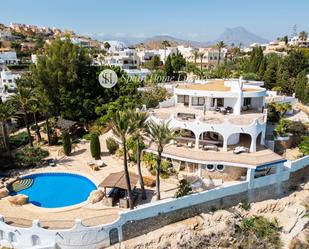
125, 164
201, 65
37, 128
47, 130
219, 57
141, 180
6, 138
158, 175
28, 129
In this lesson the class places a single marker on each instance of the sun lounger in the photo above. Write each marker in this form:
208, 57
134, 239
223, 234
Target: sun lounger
240, 149
210, 147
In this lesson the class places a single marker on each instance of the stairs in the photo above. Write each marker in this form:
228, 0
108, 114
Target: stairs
21, 184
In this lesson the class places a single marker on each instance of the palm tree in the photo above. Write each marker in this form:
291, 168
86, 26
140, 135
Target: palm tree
303, 36
201, 55
161, 135
122, 128
165, 44
138, 120
22, 101
44, 107
34, 109
220, 45
6, 113
195, 55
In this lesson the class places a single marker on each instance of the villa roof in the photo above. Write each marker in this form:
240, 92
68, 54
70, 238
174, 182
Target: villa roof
118, 180
216, 85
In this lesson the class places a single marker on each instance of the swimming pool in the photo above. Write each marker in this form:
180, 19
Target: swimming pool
54, 190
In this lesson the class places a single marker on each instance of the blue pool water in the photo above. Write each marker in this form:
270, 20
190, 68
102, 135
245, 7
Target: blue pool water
53, 190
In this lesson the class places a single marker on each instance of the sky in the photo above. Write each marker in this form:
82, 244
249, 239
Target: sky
199, 20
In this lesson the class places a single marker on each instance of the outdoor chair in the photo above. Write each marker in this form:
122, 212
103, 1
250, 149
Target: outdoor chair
190, 145
240, 149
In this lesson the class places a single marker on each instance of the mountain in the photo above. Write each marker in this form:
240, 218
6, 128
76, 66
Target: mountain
240, 35
155, 42
230, 35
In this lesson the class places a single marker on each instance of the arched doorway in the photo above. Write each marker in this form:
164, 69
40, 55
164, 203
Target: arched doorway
211, 138
185, 137
244, 140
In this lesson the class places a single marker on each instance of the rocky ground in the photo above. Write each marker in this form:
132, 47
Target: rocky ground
226, 228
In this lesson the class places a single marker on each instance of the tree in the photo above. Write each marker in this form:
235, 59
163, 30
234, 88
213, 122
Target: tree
64, 74
303, 36
165, 44
66, 142
22, 100
122, 128
270, 74
138, 121
255, 61
302, 87
44, 107
95, 147
220, 45
153, 96
6, 113
195, 55
154, 63
168, 68
161, 135
34, 109
107, 45
184, 188
201, 55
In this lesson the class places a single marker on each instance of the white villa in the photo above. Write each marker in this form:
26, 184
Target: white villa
7, 80
126, 59
215, 119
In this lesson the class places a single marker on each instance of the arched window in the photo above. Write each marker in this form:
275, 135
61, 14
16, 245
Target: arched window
35, 239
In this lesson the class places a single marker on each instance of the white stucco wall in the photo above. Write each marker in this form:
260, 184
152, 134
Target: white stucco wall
81, 237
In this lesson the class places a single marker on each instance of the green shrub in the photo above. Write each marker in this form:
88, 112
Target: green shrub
244, 204
112, 145
19, 140
260, 231
30, 156
87, 137
95, 147
285, 127
184, 188
304, 145
66, 143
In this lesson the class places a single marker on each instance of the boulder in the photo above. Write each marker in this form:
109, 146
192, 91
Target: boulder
19, 200
95, 196
4, 193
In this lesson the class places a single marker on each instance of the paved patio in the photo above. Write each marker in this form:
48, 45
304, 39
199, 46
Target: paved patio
92, 214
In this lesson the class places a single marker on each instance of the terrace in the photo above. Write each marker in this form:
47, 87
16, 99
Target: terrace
208, 117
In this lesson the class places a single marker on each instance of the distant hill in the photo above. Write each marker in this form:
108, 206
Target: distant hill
240, 35
155, 42
230, 35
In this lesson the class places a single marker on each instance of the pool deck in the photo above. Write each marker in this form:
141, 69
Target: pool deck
91, 214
